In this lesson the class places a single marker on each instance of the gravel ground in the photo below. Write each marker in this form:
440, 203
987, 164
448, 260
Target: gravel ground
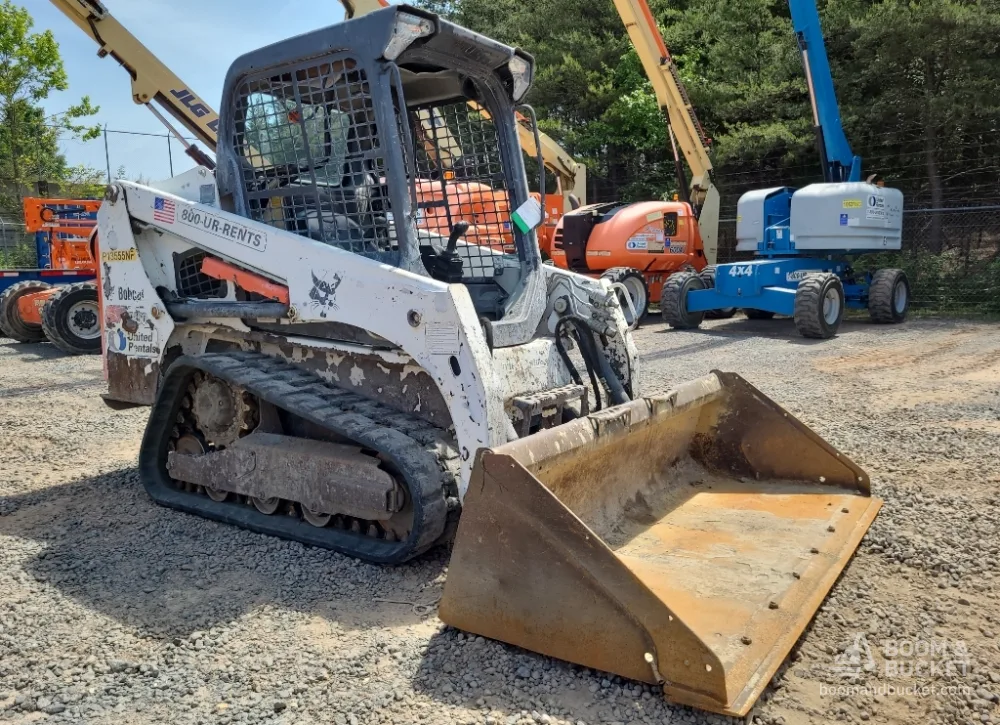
116, 611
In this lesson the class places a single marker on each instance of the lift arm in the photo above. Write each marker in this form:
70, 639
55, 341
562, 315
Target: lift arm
151, 79
839, 162
684, 127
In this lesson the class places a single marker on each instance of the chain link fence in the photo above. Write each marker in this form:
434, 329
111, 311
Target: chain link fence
17, 246
951, 252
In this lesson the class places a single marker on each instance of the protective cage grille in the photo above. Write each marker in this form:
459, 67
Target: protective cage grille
313, 159
460, 177
191, 281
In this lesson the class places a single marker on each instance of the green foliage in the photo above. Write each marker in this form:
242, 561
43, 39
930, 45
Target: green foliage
918, 83
30, 70
23, 256
83, 182
945, 283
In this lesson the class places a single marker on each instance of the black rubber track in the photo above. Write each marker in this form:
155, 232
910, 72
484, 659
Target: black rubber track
54, 319
421, 453
11, 324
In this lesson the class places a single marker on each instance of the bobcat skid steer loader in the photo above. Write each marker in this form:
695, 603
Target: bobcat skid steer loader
324, 368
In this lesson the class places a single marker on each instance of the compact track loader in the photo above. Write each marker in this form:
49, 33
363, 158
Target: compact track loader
325, 367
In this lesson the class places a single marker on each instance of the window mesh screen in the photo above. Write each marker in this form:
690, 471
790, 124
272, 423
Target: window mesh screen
312, 158
191, 281
461, 178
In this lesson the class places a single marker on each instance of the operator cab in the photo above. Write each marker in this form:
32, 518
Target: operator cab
390, 136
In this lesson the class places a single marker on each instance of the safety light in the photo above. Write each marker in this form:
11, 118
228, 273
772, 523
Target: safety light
407, 29
520, 71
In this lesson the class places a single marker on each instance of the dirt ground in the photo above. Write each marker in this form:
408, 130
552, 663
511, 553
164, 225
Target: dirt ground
113, 610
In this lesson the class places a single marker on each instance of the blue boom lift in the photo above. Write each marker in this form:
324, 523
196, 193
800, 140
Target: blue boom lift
803, 240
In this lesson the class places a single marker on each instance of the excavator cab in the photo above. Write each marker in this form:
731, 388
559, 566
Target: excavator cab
369, 136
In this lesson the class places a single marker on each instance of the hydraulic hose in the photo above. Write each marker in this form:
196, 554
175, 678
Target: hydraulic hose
615, 388
582, 339
593, 356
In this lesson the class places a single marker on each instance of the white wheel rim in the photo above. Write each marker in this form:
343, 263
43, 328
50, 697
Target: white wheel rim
83, 321
636, 292
831, 306
899, 297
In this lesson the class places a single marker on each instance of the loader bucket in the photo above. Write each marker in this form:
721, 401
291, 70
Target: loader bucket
685, 539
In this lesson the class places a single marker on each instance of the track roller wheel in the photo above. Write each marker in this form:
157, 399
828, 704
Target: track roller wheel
889, 296
266, 505
11, 324
708, 277
673, 301
315, 518
633, 281
819, 305
71, 319
753, 314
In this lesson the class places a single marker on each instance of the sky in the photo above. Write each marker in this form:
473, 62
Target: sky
197, 39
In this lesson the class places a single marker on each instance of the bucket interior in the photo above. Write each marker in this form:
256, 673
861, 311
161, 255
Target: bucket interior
699, 527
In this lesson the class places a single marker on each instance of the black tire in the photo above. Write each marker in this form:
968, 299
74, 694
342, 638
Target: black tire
708, 277
632, 279
813, 318
673, 301
753, 314
11, 323
71, 319
889, 296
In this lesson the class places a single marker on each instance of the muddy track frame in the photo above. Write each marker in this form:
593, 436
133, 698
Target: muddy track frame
423, 454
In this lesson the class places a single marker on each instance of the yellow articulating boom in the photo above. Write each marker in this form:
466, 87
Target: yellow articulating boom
151, 80
684, 126
323, 366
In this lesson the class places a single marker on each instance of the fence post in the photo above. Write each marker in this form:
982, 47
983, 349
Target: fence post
107, 154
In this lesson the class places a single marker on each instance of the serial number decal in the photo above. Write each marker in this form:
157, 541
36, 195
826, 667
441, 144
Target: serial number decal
119, 255
224, 229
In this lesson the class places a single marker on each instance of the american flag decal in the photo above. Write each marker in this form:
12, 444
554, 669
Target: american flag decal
163, 210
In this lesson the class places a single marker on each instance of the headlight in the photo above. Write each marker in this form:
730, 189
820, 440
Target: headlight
407, 29
520, 71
